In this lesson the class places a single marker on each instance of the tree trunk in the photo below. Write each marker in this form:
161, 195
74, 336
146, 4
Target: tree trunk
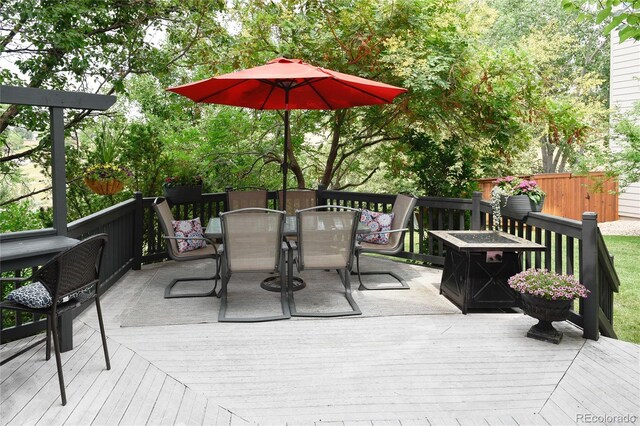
333, 151
294, 166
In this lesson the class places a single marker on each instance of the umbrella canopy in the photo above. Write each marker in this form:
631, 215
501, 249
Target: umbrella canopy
286, 84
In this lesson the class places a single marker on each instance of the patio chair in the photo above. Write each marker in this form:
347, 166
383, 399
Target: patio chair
326, 239
402, 209
252, 242
67, 281
246, 199
298, 199
210, 251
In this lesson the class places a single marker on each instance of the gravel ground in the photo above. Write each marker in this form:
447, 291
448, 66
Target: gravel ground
620, 227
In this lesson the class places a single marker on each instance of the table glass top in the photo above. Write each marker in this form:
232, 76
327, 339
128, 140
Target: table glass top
482, 238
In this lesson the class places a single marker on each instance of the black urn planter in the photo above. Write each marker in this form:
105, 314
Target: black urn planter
519, 206
545, 311
183, 194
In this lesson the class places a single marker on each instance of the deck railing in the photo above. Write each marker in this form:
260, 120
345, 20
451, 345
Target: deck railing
573, 247
119, 223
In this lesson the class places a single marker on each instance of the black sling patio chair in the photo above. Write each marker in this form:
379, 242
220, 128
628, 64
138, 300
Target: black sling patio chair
71, 278
298, 199
403, 209
252, 242
247, 199
326, 240
210, 251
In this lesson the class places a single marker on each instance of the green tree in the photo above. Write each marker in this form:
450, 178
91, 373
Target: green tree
445, 168
88, 46
566, 64
624, 16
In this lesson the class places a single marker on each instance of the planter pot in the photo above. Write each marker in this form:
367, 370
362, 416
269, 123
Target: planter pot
183, 194
519, 206
545, 311
104, 186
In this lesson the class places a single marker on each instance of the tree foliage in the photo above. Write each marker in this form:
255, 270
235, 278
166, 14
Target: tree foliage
623, 16
489, 83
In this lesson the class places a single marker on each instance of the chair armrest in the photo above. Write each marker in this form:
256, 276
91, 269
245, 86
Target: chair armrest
14, 279
391, 231
208, 240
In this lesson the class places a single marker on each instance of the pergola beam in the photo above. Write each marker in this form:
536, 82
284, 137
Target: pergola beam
56, 100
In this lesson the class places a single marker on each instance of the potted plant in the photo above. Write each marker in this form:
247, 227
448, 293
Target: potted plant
515, 197
106, 178
182, 188
548, 297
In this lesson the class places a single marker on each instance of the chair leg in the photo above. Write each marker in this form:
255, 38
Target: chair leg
222, 313
355, 310
212, 292
218, 277
48, 344
403, 283
56, 348
346, 281
102, 333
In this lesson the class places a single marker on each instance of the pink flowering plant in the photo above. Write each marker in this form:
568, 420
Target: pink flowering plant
548, 285
512, 185
181, 180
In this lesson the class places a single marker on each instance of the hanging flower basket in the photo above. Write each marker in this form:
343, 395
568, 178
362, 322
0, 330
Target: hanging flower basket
104, 186
519, 206
182, 189
106, 178
515, 198
183, 194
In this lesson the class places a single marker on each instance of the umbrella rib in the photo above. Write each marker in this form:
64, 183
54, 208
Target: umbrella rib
217, 93
364, 91
273, 87
320, 96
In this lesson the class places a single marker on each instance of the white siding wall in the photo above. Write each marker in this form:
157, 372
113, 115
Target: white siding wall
624, 93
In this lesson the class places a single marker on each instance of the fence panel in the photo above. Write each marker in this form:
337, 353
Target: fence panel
569, 195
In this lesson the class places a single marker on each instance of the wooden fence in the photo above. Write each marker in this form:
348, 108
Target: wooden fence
570, 195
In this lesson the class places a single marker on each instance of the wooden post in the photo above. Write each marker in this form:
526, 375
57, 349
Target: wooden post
320, 196
138, 231
589, 275
58, 172
475, 211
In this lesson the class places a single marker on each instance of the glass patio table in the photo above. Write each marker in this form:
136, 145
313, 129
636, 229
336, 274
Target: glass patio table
214, 228
214, 232
477, 266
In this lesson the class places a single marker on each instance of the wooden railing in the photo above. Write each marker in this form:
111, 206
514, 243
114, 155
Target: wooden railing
573, 247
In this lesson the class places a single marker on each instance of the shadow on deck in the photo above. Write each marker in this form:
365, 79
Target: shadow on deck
411, 358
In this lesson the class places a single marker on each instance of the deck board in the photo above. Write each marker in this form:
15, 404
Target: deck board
436, 369
144, 398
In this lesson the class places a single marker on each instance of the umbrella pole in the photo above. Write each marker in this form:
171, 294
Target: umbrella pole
285, 162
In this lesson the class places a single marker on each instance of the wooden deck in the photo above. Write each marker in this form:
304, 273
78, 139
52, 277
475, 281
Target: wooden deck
429, 368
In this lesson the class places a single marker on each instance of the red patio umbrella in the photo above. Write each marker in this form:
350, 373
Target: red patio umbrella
286, 84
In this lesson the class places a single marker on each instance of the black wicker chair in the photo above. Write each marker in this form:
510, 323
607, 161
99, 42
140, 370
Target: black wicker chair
72, 278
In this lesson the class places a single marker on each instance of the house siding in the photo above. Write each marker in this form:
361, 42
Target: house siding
624, 93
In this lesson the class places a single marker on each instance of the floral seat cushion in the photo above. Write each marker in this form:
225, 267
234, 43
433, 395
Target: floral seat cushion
34, 295
188, 229
378, 223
